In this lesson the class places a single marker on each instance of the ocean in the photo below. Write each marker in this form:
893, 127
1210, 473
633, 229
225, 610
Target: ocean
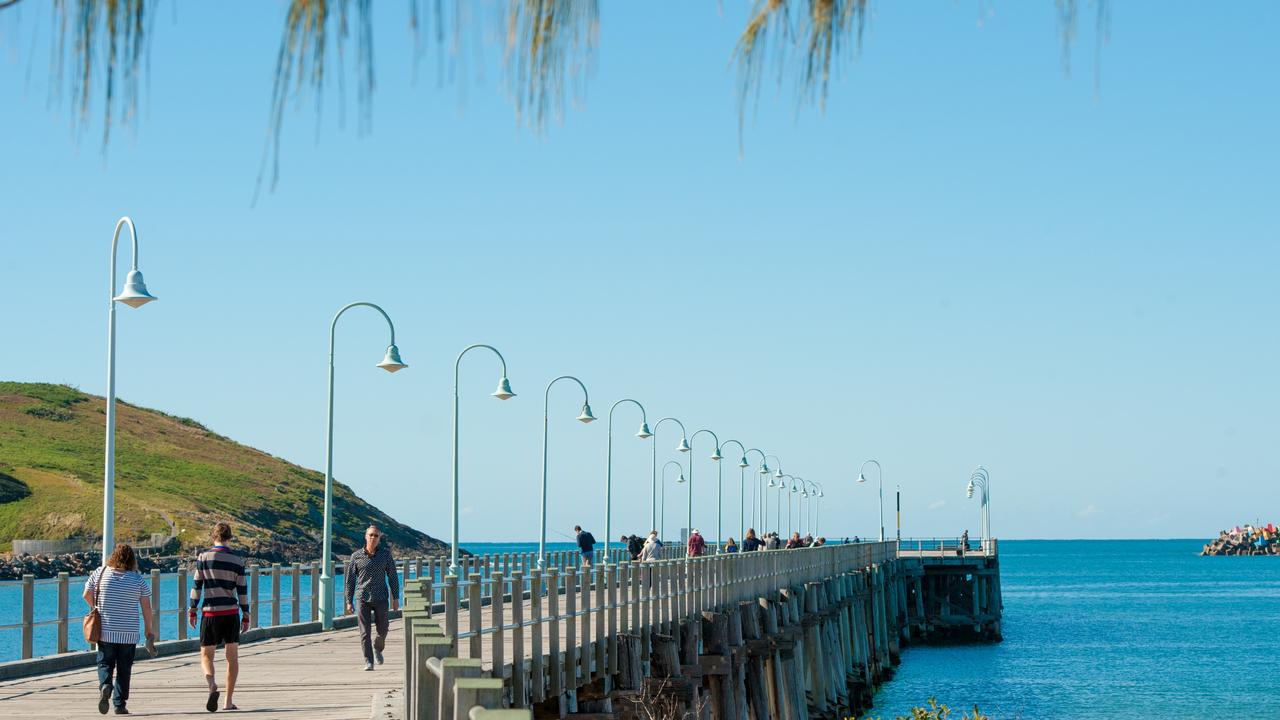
1093, 629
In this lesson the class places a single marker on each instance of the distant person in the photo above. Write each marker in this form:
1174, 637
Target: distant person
794, 541
751, 543
117, 591
651, 547
964, 542
586, 544
731, 546
219, 577
370, 571
774, 542
820, 542
856, 539
634, 544
696, 546
808, 540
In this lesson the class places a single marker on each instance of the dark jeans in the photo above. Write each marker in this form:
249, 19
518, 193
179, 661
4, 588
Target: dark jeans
116, 658
372, 615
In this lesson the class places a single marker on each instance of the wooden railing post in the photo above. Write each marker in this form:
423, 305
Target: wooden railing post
275, 594
518, 690
313, 569
64, 592
183, 601
28, 614
254, 596
614, 573
571, 629
475, 620
295, 592
451, 610
155, 599
537, 685
553, 613
497, 589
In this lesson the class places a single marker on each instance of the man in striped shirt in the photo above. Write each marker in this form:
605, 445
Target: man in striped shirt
368, 573
219, 576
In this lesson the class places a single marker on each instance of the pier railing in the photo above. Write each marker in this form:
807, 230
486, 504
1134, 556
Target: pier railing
941, 547
528, 635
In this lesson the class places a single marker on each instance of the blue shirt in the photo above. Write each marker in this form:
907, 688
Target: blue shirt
118, 602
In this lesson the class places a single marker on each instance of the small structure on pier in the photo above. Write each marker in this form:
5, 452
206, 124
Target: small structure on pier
952, 593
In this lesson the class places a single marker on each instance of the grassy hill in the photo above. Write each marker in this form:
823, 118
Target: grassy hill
171, 473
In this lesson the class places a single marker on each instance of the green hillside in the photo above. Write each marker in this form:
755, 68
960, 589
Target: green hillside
171, 473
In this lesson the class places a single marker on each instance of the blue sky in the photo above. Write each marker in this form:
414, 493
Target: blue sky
969, 258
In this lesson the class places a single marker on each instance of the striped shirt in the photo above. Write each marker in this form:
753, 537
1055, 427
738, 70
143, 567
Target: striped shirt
364, 575
220, 576
118, 602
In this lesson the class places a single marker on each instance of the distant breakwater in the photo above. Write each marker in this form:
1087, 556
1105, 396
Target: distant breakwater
1247, 540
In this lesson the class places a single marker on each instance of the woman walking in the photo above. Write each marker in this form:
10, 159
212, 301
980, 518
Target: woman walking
117, 591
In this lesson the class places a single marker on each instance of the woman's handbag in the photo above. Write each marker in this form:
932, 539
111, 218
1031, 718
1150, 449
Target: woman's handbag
92, 620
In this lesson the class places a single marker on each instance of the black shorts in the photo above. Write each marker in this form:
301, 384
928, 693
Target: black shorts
218, 629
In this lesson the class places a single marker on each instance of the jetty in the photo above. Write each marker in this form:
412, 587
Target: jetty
794, 634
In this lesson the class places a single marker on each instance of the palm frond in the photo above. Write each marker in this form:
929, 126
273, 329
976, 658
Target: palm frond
548, 41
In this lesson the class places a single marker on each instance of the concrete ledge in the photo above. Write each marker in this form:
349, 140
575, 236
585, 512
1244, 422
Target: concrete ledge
15, 669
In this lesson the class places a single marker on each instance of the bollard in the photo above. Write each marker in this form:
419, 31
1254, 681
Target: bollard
63, 592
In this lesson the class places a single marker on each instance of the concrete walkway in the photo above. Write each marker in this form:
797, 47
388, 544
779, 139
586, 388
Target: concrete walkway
318, 677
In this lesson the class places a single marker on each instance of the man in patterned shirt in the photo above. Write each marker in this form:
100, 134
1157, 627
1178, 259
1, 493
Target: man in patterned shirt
219, 576
368, 573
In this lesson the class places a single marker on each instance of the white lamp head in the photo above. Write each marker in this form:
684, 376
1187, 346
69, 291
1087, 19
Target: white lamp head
391, 362
969, 491
586, 416
764, 468
504, 390
684, 445
862, 478
743, 463
771, 483
716, 455
681, 478
135, 291
778, 474
644, 433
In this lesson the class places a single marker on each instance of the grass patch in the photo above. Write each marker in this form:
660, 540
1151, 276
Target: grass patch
49, 413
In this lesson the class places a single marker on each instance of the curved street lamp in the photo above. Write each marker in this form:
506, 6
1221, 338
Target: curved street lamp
662, 527
584, 417
742, 486
777, 475
880, 476
391, 363
980, 479
816, 503
755, 487
502, 393
643, 433
682, 447
782, 488
715, 455
134, 295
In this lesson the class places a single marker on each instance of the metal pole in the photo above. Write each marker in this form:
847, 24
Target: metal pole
608, 474
546, 399
691, 438
453, 552
326, 552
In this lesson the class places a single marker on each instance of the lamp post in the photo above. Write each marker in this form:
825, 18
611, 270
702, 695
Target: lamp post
391, 362
755, 485
502, 393
134, 295
980, 479
742, 486
801, 503
662, 527
585, 417
682, 447
715, 455
880, 479
777, 475
782, 487
643, 433
816, 503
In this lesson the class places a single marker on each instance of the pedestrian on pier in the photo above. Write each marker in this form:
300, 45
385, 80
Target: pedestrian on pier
774, 542
651, 547
117, 591
731, 546
220, 578
586, 544
634, 544
697, 546
751, 543
371, 585
964, 542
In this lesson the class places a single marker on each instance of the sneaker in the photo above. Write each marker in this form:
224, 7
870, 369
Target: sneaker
378, 656
368, 666
122, 710
104, 699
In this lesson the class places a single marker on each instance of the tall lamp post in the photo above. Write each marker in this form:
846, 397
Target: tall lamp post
585, 417
816, 503
880, 478
802, 516
662, 523
134, 295
755, 486
742, 486
715, 455
777, 475
502, 393
643, 433
782, 487
682, 447
980, 479
391, 362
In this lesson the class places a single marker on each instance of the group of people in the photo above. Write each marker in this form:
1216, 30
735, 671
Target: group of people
1246, 540
219, 604
642, 549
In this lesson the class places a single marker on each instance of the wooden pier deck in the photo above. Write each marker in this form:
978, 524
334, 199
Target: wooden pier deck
318, 677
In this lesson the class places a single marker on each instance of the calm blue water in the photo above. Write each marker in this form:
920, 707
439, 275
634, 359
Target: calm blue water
1113, 629
1093, 629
